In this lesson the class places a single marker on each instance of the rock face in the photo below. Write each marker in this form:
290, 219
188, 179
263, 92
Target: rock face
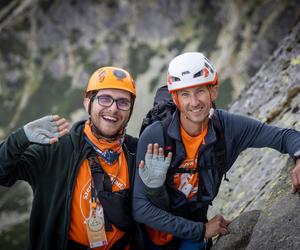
260, 179
240, 232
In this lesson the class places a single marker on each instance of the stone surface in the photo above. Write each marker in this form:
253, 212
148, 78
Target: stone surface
260, 179
240, 232
279, 226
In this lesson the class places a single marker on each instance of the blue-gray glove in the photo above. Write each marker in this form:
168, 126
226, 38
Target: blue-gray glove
46, 130
154, 170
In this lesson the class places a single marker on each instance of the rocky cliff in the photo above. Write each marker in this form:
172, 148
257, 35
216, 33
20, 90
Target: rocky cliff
48, 49
257, 197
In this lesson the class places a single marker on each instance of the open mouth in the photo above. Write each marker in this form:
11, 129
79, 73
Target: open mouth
110, 119
198, 110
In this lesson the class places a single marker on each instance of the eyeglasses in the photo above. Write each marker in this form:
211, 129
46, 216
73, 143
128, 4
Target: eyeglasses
106, 101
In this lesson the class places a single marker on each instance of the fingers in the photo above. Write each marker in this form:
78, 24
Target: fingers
142, 164
150, 149
155, 150
53, 140
223, 223
217, 226
168, 159
62, 125
223, 231
61, 121
295, 182
63, 129
169, 156
55, 118
295, 176
160, 152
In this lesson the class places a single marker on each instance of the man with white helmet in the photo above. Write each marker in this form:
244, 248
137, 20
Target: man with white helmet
172, 192
81, 180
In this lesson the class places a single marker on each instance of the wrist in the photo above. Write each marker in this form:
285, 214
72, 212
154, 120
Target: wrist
296, 156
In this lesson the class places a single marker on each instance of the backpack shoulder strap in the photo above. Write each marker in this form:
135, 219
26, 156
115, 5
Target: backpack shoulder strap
220, 147
169, 142
129, 147
131, 143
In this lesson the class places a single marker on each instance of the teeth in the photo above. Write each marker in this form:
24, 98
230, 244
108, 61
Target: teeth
110, 118
196, 110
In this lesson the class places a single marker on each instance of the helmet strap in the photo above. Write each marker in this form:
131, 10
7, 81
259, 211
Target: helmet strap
92, 98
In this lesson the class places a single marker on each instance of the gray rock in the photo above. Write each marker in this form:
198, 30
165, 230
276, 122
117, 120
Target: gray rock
260, 179
279, 226
240, 232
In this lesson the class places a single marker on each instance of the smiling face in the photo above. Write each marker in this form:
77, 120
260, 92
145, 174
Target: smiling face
108, 120
194, 104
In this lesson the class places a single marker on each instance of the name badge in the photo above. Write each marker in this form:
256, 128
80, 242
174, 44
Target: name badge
95, 227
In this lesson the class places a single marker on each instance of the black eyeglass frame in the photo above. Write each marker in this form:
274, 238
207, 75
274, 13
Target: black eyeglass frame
112, 100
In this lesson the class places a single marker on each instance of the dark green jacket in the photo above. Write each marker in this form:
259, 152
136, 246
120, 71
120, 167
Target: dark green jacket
51, 171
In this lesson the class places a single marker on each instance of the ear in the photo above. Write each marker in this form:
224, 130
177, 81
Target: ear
86, 102
214, 92
175, 98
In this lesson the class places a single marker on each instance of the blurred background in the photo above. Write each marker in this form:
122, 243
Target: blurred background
49, 48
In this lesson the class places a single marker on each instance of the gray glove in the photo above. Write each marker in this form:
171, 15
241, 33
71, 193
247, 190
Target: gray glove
154, 172
44, 130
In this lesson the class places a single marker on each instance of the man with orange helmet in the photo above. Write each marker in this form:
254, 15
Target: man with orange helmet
173, 190
82, 178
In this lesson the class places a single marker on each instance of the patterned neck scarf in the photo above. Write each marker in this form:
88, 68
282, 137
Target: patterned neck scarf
109, 151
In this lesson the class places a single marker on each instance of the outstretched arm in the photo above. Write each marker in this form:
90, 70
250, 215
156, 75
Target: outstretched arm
19, 160
243, 132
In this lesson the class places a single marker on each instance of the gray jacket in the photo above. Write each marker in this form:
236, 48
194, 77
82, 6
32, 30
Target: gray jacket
240, 133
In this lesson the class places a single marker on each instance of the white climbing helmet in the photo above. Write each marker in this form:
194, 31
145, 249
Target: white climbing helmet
189, 70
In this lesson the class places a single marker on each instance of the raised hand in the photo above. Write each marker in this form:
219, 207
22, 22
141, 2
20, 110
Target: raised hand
154, 170
47, 129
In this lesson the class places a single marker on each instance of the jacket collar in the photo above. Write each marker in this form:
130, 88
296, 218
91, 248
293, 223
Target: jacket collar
174, 130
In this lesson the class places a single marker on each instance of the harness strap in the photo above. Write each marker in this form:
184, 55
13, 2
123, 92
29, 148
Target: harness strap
99, 178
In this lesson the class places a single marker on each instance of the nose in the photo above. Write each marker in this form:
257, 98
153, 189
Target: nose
113, 107
194, 100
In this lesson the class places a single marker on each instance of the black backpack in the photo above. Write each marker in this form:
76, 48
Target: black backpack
163, 109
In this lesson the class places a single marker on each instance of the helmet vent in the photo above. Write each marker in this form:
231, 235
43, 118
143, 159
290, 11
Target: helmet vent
175, 79
199, 73
185, 73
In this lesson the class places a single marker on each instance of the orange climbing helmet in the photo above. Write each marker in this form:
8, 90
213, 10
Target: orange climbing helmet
111, 78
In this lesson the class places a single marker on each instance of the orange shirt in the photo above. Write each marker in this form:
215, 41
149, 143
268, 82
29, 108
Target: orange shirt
80, 207
187, 183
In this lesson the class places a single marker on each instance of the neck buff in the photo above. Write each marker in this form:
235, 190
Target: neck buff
108, 150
